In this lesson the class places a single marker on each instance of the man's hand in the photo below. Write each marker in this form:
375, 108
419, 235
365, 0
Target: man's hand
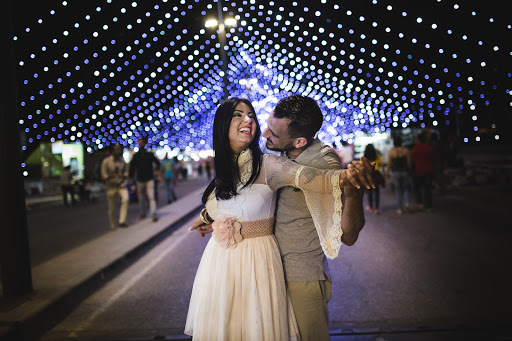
359, 173
201, 227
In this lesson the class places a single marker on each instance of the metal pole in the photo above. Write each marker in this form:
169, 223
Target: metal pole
223, 54
14, 249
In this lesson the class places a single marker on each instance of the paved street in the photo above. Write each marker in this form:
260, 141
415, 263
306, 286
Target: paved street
443, 275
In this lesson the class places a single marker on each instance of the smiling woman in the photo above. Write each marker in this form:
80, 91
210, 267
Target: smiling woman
243, 127
229, 120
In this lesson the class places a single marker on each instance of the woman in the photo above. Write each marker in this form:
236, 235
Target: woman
399, 165
374, 194
239, 291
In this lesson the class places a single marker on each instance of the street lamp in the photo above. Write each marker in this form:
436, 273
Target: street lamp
221, 23
249, 84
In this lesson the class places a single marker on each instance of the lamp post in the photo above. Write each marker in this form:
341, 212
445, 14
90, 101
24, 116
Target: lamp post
222, 41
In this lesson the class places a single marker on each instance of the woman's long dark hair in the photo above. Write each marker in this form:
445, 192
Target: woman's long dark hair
227, 172
370, 153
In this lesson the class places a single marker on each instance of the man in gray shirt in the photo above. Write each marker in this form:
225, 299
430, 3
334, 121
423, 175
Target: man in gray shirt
291, 128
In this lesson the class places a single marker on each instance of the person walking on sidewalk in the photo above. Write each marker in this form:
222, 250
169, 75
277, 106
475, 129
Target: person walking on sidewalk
66, 186
399, 165
142, 168
169, 174
208, 167
373, 155
115, 173
422, 155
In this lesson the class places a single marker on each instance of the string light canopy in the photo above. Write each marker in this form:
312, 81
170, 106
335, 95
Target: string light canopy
104, 71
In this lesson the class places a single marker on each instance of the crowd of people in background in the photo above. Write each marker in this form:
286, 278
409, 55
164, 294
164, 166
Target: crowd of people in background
136, 181
142, 178
408, 170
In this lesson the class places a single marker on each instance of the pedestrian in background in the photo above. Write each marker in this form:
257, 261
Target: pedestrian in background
422, 155
346, 153
169, 173
115, 173
142, 168
208, 167
66, 185
399, 167
374, 193
184, 169
200, 167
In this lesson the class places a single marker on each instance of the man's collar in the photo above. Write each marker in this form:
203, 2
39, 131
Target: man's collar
310, 152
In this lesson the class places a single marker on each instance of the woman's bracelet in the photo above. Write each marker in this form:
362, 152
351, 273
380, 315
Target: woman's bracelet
204, 217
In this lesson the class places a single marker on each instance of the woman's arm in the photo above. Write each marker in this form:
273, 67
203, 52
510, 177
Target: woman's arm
322, 190
281, 172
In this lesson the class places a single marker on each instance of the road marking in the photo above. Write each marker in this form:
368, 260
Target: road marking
85, 324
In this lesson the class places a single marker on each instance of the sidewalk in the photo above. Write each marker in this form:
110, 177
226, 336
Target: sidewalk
61, 282
33, 201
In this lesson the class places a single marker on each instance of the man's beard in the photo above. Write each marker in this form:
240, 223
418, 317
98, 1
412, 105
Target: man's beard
286, 148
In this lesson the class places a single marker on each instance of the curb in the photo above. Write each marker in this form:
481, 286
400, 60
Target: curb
43, 320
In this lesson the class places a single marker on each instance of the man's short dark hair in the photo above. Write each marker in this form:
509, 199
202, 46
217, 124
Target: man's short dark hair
304, 114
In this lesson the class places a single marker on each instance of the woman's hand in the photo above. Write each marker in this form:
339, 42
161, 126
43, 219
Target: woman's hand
201, 227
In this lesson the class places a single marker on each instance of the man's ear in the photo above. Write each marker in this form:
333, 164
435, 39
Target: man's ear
300, 142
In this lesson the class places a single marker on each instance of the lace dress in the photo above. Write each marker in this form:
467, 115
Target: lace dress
239, 292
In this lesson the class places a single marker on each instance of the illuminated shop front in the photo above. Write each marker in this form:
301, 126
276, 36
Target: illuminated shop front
44, 166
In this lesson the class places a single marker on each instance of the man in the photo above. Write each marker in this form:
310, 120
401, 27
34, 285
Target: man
114, 172
422, 155
291, 128
208, 167
169, 174
143, 166
66, 185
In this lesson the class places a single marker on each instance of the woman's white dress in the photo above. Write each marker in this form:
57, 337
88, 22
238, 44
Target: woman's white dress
239, 292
